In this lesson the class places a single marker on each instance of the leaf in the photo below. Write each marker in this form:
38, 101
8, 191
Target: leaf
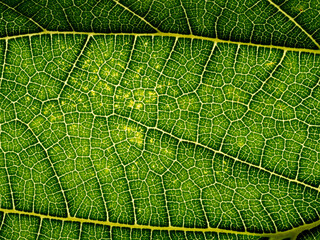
150, 119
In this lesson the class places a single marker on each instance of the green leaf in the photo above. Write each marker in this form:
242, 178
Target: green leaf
177, 119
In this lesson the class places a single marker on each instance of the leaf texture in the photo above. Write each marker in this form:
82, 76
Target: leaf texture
159, 119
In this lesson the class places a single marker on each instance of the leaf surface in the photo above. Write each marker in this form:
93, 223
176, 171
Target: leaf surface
159, 119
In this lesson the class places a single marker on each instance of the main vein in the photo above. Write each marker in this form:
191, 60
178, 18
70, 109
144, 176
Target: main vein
161, 34
288, 233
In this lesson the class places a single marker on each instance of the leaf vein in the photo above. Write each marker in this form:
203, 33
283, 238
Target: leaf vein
295, 22
222, 153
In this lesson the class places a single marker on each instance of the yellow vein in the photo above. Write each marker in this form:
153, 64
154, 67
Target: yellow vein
295, 22
135, 14
173, 35
74, 65
5, 162
52, 167
187, 19
2, 221
39, 229
221, 153
280, 235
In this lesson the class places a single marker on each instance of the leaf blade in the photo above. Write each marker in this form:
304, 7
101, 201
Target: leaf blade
182, 133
